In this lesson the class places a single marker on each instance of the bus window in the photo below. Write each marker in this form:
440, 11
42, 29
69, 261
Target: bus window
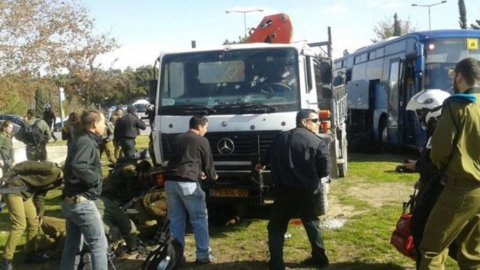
441, 57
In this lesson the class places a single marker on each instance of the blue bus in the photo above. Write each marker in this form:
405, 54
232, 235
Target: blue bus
381, 79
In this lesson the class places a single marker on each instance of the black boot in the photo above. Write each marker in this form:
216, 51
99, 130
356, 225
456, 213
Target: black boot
7, 265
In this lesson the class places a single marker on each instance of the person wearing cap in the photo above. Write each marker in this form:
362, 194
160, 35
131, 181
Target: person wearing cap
127, 129
298, 159
50, 119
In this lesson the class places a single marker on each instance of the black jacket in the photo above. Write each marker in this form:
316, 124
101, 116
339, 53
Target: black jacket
298, 159
192, 156
82, 172
128, 127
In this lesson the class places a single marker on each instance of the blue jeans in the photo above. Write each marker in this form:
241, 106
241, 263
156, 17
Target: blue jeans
183, 198
83, 219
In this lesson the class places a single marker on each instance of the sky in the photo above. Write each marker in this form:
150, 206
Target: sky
143, 29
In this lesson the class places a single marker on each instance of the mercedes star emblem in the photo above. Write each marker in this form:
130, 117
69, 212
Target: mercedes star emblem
225, 146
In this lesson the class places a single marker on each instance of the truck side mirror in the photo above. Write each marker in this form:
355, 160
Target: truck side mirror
152, 93
326, 71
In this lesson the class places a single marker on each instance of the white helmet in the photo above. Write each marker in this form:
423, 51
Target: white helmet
47, 106
428, 104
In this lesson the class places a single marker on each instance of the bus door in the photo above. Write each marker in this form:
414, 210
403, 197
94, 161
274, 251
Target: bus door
392, 136
409, 123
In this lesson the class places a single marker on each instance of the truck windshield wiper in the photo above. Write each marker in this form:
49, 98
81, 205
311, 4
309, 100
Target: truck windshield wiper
246, 107
191, 109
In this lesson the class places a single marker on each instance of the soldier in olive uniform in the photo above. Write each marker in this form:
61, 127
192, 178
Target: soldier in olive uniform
113, 216
128, 180
36, 151
107, 144
26, 206
152, 208
6, 147
455, 150
117, 114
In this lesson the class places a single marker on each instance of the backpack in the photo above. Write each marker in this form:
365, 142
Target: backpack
168, 255
32, 134
31, 176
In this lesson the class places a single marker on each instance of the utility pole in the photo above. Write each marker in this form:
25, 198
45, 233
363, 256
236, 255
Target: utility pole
429, 6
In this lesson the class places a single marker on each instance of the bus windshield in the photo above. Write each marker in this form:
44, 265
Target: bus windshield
441, 57
235, 81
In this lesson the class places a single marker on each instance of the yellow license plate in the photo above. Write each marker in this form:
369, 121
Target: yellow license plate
229, 192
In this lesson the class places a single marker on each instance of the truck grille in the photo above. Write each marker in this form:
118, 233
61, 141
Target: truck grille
231, 146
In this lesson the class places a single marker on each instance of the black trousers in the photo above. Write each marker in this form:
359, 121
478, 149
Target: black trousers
290, 204
128, 146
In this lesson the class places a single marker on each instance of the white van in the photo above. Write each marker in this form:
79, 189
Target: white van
141, 105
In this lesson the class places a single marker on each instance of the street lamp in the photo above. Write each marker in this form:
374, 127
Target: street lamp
244, 16
429, 6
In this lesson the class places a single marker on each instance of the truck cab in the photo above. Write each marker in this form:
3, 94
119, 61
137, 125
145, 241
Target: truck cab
250, 93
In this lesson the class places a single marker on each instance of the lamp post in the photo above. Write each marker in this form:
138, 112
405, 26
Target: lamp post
429, 6
244, 16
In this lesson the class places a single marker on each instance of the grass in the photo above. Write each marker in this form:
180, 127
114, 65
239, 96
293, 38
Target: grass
369, 199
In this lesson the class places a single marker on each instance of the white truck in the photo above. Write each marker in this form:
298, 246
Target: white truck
249, 93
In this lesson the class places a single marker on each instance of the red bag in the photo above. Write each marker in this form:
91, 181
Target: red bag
401, 237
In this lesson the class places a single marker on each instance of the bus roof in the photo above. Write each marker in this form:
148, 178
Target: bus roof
421, 36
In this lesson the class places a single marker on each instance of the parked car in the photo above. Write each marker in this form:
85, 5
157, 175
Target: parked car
58, 123
12, 117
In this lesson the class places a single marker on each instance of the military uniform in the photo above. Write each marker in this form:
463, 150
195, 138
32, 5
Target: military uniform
38, 151
6, 152
152, 207
457, 211
123, 183
107, 144
117, 149
25, 205
113, 216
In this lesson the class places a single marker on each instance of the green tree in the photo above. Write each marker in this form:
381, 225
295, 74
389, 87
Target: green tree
462, 20
48, 36
397, 28
386, 28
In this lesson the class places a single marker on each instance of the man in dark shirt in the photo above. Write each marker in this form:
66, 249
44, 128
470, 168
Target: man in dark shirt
191, 162
126, 130
83, 185
298, 159
50, 119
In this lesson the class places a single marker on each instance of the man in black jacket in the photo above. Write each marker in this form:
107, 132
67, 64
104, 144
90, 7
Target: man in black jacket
298, 160
127, 129
83, 185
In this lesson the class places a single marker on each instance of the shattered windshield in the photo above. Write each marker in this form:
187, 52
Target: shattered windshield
236, 81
